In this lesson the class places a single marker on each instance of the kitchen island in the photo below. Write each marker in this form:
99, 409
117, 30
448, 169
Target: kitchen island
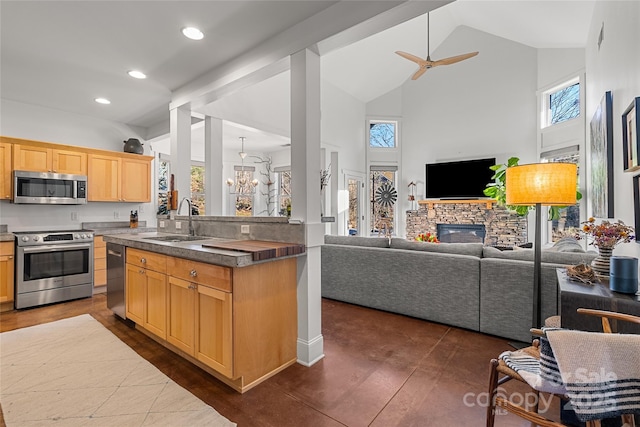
234, 317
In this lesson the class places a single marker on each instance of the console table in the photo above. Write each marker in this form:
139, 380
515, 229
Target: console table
574, 295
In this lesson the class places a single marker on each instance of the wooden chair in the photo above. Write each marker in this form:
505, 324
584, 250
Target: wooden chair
499, 367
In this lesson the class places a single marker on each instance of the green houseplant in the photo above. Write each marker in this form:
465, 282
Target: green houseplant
497, 189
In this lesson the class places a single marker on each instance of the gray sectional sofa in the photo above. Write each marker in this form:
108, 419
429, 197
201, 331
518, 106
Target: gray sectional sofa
466, 285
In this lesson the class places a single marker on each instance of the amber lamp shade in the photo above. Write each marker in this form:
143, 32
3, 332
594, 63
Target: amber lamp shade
549, 184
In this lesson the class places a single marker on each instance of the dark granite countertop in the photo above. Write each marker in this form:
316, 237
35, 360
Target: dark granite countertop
190, 249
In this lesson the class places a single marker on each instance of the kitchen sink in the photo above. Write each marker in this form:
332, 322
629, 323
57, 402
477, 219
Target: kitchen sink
177, 238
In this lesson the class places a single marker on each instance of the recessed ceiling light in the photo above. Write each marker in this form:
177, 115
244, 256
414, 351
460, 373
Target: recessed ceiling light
102, 101
137, 74
192, 33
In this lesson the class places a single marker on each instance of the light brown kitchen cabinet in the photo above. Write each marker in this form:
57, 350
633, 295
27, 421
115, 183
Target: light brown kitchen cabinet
181, 331
136, 180
6, 179
45, 159
214, 320
146, 291
6, 273
99, 262
119, 179
200, 323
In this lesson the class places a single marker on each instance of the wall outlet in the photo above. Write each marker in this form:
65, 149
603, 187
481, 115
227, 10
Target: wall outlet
178, 225
116, 215
74, 216
161, 224
141, 209
245, 229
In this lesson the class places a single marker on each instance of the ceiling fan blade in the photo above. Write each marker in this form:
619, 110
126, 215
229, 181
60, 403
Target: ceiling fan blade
410, 57
454, 59
418, 73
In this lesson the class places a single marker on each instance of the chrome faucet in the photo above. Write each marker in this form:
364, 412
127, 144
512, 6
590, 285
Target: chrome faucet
192, 232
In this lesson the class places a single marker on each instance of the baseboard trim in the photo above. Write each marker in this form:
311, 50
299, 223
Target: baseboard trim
310, 352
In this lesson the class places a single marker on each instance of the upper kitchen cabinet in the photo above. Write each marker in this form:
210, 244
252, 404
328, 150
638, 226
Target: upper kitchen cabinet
119, 178
5, 170
44, 159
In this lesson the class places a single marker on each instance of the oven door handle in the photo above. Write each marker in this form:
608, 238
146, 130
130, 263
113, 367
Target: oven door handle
56, 248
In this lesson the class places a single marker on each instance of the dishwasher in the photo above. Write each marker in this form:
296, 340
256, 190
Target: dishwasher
115, 279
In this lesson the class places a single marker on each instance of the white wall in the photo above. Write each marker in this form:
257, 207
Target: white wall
33, 122
616, 67
342, 130
482, 107
556, 64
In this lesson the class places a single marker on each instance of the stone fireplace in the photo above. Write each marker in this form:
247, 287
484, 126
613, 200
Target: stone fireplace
467, 220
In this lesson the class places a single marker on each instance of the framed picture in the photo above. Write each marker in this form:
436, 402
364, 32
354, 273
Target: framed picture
636, 205
630, 136
601, 127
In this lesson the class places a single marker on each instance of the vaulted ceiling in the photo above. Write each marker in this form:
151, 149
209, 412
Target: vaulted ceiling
63, 54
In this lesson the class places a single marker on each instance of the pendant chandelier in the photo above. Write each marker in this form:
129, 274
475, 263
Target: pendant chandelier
244, 185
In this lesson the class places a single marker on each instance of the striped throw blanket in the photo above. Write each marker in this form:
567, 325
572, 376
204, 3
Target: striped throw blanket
601, 372
540, 373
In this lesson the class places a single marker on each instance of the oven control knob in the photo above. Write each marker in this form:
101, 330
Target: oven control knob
25, 238
36, 238
84, 236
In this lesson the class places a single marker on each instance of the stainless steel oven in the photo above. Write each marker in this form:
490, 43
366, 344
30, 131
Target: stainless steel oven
53, 267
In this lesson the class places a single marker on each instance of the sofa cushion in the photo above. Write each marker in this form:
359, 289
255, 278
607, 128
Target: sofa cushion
549, 256
473, 249
567, 244
374, 242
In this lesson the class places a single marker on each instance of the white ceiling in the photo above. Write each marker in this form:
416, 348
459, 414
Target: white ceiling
63, 54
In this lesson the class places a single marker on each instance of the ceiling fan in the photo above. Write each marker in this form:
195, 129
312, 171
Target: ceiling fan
425, 64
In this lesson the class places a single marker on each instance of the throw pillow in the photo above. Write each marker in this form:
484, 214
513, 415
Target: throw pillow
567, 244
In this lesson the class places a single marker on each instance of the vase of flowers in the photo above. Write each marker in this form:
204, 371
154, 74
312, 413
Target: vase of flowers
605, 236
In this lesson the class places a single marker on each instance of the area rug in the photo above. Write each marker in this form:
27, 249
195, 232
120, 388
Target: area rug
75, 372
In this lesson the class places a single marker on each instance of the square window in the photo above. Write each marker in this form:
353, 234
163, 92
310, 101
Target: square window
382, 134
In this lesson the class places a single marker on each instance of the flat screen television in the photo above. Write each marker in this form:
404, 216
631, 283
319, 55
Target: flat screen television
464, 179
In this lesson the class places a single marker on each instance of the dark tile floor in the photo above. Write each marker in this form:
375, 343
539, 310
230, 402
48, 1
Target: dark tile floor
380, 369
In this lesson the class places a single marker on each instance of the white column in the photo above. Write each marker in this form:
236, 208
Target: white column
305, 170
334, 186
213, 165
180, 142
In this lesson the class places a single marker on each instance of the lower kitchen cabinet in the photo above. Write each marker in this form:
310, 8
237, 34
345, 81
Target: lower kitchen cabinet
146, 291
200, 323
182, 300
99, 262
6, 274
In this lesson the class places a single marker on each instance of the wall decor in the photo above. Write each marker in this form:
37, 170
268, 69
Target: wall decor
636, 205
601, 127
630, 136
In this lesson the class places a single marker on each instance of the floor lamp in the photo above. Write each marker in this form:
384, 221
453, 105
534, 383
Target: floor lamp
541, 184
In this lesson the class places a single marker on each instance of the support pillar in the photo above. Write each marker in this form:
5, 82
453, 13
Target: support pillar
180, 143
213, 187
305, 170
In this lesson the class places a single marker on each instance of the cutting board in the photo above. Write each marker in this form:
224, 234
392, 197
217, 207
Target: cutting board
259, 249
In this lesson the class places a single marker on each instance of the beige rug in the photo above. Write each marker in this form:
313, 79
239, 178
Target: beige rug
75, 372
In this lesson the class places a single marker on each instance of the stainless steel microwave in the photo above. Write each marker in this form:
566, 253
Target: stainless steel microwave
49, 188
